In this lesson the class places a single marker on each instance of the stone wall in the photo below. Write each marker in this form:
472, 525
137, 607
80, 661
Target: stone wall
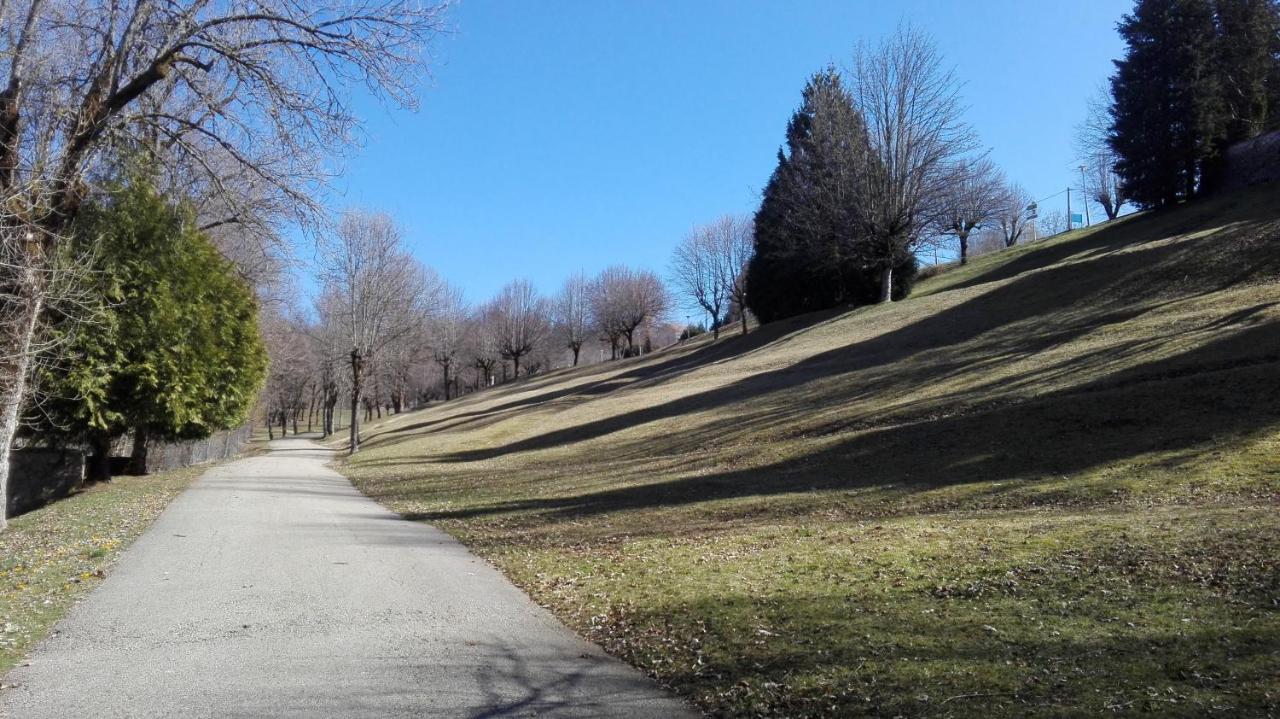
174, 455
40, 476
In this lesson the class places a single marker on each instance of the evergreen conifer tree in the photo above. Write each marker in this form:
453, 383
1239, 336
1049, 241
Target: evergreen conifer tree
809, 252
175, 351
1166, 110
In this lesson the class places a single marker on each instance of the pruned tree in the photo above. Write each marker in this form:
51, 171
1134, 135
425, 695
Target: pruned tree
378, 290
1013, 214
483, 344
263, 84
709, 265
447, 334
519, 321
622, 300
914, 119
607, 301
571, 313
1101, 183
697, 273
971, 196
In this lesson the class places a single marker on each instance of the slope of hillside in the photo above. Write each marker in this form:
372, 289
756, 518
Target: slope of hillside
1046, 483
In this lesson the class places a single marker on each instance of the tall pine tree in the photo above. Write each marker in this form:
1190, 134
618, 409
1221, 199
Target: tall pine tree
1166, 110
1246, 63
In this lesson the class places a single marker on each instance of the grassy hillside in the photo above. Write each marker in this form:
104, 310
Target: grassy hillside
1046, 484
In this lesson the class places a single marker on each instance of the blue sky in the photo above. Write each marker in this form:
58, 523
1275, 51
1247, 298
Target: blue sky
564, 135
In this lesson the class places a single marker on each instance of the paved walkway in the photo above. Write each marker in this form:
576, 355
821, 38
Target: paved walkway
273, 588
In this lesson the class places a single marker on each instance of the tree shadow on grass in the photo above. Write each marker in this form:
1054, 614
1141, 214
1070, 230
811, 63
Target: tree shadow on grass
1025, 316
1229, 389
860, 652
1116, 277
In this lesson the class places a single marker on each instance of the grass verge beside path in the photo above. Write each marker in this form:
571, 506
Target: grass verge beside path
54, 556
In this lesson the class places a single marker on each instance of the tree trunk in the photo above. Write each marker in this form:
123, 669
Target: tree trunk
284, 423
576, 350
964, 248
743, 311
13, 382
99, 468
355, 401
295, 421
886, 285
447, 394
138, 459
515, 361
271, 426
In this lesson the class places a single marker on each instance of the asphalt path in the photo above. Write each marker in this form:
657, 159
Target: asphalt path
273, 588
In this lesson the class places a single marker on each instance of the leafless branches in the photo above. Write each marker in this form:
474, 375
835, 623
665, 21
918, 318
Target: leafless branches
571, 313
622, 299
972, 195
519, 321
708, 267
377, 290
240, 100
913, 113
1012, 214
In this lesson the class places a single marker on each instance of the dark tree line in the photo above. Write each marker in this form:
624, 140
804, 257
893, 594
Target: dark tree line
1197, 76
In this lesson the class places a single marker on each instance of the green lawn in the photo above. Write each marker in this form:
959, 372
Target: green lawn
1047, 484
52, 557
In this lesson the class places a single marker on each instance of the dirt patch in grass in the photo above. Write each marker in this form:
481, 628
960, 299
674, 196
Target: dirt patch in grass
1047, 484
52, 557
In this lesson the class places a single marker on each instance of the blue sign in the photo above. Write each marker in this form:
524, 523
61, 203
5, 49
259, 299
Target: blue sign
1077, 218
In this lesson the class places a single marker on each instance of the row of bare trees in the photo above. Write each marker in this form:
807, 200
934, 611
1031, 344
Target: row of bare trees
408, 336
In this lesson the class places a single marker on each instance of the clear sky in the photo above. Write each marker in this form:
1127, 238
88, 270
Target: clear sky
563, 135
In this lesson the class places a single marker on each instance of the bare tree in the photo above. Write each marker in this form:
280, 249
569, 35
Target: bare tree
696, 270
1052, 222
913, 115
292, 368
483, 344
1101, 183
571, 313
520, 321
380, 292
709, 267
971, 197
447, 333
622, 299
263, 84
607, 305
1013, 214
737, 246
